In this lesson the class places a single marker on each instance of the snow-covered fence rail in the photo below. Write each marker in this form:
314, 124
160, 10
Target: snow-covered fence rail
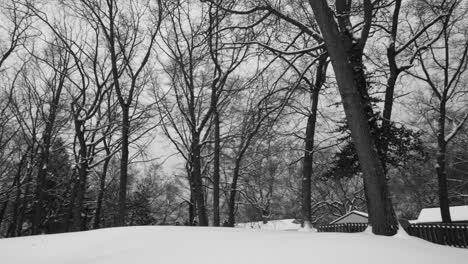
345, 228
455, 235
444, 234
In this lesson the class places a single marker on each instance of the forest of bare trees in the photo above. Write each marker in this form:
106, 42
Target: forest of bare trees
271, 109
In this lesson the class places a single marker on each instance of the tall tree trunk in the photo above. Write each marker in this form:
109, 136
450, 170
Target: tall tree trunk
124, 167
102, 186
441, 164
391, 81
197, 180
381, 214
216, 164
307, 168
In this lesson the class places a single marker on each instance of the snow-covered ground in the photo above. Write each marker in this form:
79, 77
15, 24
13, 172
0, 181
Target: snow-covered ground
192, 245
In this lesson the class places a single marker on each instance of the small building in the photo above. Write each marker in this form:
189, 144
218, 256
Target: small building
459, 215
351, 217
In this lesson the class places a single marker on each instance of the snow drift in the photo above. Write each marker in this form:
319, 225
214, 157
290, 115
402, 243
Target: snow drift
183, 245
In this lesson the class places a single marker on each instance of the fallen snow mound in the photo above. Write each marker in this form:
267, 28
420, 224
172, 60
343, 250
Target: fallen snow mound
182, 245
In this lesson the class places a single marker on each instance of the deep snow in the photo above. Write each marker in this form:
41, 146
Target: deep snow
192, 245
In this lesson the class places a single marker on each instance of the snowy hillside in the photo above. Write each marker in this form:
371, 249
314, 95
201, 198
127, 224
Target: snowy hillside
183, 245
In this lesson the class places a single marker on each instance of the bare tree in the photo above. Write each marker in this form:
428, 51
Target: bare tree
442, 69
200, 68
16, 29
58, 60
130, 31
346, 50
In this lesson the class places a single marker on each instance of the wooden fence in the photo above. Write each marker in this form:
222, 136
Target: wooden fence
444, 234
455, 235
344, 228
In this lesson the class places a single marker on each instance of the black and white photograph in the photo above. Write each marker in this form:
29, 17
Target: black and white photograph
233, 131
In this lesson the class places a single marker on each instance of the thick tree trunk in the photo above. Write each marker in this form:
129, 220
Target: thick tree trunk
124, 167
381, 215
440, 166
217, 150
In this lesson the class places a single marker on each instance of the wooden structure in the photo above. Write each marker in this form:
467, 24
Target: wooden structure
351, 217
444, 234
455, 235
344, 228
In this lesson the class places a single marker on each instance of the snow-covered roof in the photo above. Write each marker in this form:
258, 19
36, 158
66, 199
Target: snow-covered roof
350, 213
432, 215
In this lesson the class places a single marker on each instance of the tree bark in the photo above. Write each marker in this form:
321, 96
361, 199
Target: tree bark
307, 169
391, 81
232, 195
22, 211
100, 198
191, 207
80, 185
441, 164
3, 210
196, 178
124, 168
381, 214
216, 164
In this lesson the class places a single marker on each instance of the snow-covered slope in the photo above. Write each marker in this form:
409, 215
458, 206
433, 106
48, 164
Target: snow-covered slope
182, 245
